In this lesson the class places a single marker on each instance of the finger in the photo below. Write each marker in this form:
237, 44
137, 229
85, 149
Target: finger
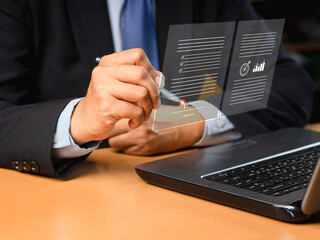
140, 150
109, 84
133, 150
128, 110
134, 56
121, 127
134, 94
138, 76
122, 141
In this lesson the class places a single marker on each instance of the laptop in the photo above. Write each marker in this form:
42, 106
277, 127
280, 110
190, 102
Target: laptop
276, 174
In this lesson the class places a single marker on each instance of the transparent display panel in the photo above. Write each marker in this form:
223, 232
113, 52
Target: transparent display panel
253, 62
200, 57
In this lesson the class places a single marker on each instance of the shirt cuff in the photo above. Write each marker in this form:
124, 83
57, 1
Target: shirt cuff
63, 143
218, 128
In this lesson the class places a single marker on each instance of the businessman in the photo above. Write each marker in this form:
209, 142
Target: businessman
48, 51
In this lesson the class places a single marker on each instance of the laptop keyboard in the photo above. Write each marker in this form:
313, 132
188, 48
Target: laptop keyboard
274, 177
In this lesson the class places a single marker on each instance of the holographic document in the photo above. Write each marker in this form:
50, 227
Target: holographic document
225, 66
253, 62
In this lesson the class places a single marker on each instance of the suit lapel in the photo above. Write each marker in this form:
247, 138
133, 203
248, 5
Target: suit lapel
91, 28
169, 12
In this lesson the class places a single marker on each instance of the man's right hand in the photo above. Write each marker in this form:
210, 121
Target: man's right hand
123, 85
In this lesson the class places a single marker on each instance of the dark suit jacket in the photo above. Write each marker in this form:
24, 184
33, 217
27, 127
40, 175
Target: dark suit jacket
48, 50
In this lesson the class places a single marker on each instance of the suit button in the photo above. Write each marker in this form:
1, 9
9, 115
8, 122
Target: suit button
25, 166
16, 165
33, 167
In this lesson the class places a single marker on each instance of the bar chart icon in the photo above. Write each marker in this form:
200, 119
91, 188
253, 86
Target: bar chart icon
259, 67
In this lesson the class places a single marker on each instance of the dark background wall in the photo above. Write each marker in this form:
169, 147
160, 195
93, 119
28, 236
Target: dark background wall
301, 35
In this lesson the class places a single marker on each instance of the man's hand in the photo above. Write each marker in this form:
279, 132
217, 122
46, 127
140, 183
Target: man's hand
122, 86
144, 141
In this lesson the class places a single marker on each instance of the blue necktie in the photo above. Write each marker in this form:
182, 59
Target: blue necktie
139, 29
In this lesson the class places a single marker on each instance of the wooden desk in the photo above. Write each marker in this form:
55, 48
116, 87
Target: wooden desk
105, 199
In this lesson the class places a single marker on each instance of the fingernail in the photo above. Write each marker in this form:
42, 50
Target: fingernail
160, 80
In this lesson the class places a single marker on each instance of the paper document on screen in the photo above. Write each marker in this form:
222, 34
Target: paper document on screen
195, 66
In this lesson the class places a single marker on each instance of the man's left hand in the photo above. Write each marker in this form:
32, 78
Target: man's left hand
144, 141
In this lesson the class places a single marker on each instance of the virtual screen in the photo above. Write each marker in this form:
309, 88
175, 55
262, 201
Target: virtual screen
217, 69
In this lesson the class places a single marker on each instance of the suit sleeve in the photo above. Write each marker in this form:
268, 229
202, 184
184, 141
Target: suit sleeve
290, 100
26, 125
